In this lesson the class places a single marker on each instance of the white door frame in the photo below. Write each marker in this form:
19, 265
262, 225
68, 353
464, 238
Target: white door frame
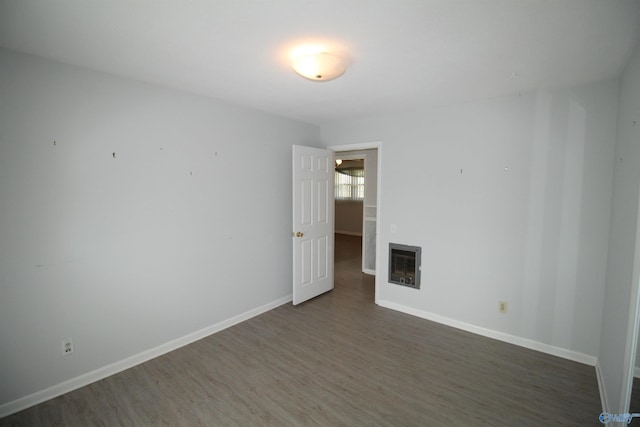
367, 146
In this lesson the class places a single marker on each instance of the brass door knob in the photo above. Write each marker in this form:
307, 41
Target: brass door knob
299, 234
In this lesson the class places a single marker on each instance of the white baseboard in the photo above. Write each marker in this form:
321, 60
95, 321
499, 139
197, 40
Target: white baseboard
501, 336
348, 233
106, 371
604, 401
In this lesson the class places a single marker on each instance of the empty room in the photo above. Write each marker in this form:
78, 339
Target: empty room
302, 212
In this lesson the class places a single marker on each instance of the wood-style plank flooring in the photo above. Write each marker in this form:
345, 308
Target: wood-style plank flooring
337, 360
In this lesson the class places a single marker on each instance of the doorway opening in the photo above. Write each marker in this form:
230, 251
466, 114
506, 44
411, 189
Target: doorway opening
357, 204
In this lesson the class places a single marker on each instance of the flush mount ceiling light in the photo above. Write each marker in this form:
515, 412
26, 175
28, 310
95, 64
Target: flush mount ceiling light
320, 66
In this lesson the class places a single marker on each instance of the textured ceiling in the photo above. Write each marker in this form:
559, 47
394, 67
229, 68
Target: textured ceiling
402, 54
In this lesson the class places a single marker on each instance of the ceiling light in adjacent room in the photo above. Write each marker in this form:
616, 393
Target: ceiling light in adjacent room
320, 66
338, 162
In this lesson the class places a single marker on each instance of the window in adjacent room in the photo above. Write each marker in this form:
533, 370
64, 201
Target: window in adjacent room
349, 181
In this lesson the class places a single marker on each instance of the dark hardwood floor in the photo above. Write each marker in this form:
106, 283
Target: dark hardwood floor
337, 360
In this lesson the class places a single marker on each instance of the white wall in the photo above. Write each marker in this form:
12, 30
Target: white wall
128, 253
510, 200
622, 274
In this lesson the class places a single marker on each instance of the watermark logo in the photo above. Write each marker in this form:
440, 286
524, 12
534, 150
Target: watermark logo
606, 417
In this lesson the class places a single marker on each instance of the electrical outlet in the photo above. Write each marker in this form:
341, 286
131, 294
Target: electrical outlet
502, 307
67, 346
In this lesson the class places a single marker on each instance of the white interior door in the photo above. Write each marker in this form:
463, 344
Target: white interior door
313, 217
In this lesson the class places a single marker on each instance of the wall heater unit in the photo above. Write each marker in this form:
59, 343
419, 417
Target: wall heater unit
404, 265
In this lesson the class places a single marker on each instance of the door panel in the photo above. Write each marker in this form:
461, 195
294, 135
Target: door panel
313, 218
323, 202
306, 260
323, 258
306, 201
